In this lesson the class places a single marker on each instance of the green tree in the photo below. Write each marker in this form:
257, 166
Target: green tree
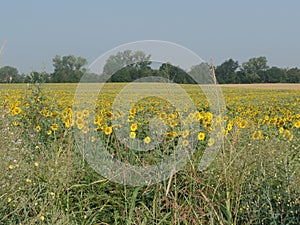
175, 74
9, 74
127, 58
226, 72
201, 73
252, 68
126, 74
293, 75
273, 75
68, 68
37, 77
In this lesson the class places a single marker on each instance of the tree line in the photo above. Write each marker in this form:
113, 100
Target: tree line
255, 70
128, 66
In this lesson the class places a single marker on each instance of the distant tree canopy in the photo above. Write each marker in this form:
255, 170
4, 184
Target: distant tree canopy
68, 69
127, 58
9, 74
226, 72
255, 70
175, 74
128, 66
37, 77
201, 73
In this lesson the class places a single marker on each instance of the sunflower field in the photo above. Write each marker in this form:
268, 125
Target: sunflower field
47, 176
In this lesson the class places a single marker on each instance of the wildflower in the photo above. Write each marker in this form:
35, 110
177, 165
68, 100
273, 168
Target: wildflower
132, 111
169, 135
80, 123
281, 129
54, 126
42, 218
49, 114
28, 180
38, 128
16, 111
173, 123
69, 111
132, 135
191, 116
147, 140
243, 124
80, 126
185, 143
272, 122
9, 200
16, 124
109, 115
108, 130
185, 133
69, 123
257, 135
11, 167
297, 124
174, 134
36, 164
98, 121
209, 116
85, 130
199, 115
163, 116
229, 126
85, 113
130, 118
201, 136
210, 142
281, 123
172, 116
79, 115
133, 127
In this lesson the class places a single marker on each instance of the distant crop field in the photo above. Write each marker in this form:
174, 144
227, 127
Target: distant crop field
47, 177
266, 86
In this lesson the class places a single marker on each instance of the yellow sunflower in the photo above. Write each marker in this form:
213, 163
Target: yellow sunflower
132, 135
108, 130
147, 140
201, 136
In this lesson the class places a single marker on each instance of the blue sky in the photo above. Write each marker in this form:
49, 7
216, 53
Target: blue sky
36, 31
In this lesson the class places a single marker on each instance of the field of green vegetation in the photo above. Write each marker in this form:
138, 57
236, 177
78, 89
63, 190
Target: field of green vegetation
45, 178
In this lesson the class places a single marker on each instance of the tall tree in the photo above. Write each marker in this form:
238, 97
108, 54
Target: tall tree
68, 68
175, 74
127, 58
273, 75
201, 73
293, 75
37, 77
9, 74
252, 68
226, 72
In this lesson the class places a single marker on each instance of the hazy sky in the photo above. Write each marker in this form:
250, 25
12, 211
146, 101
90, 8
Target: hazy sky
36, 31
